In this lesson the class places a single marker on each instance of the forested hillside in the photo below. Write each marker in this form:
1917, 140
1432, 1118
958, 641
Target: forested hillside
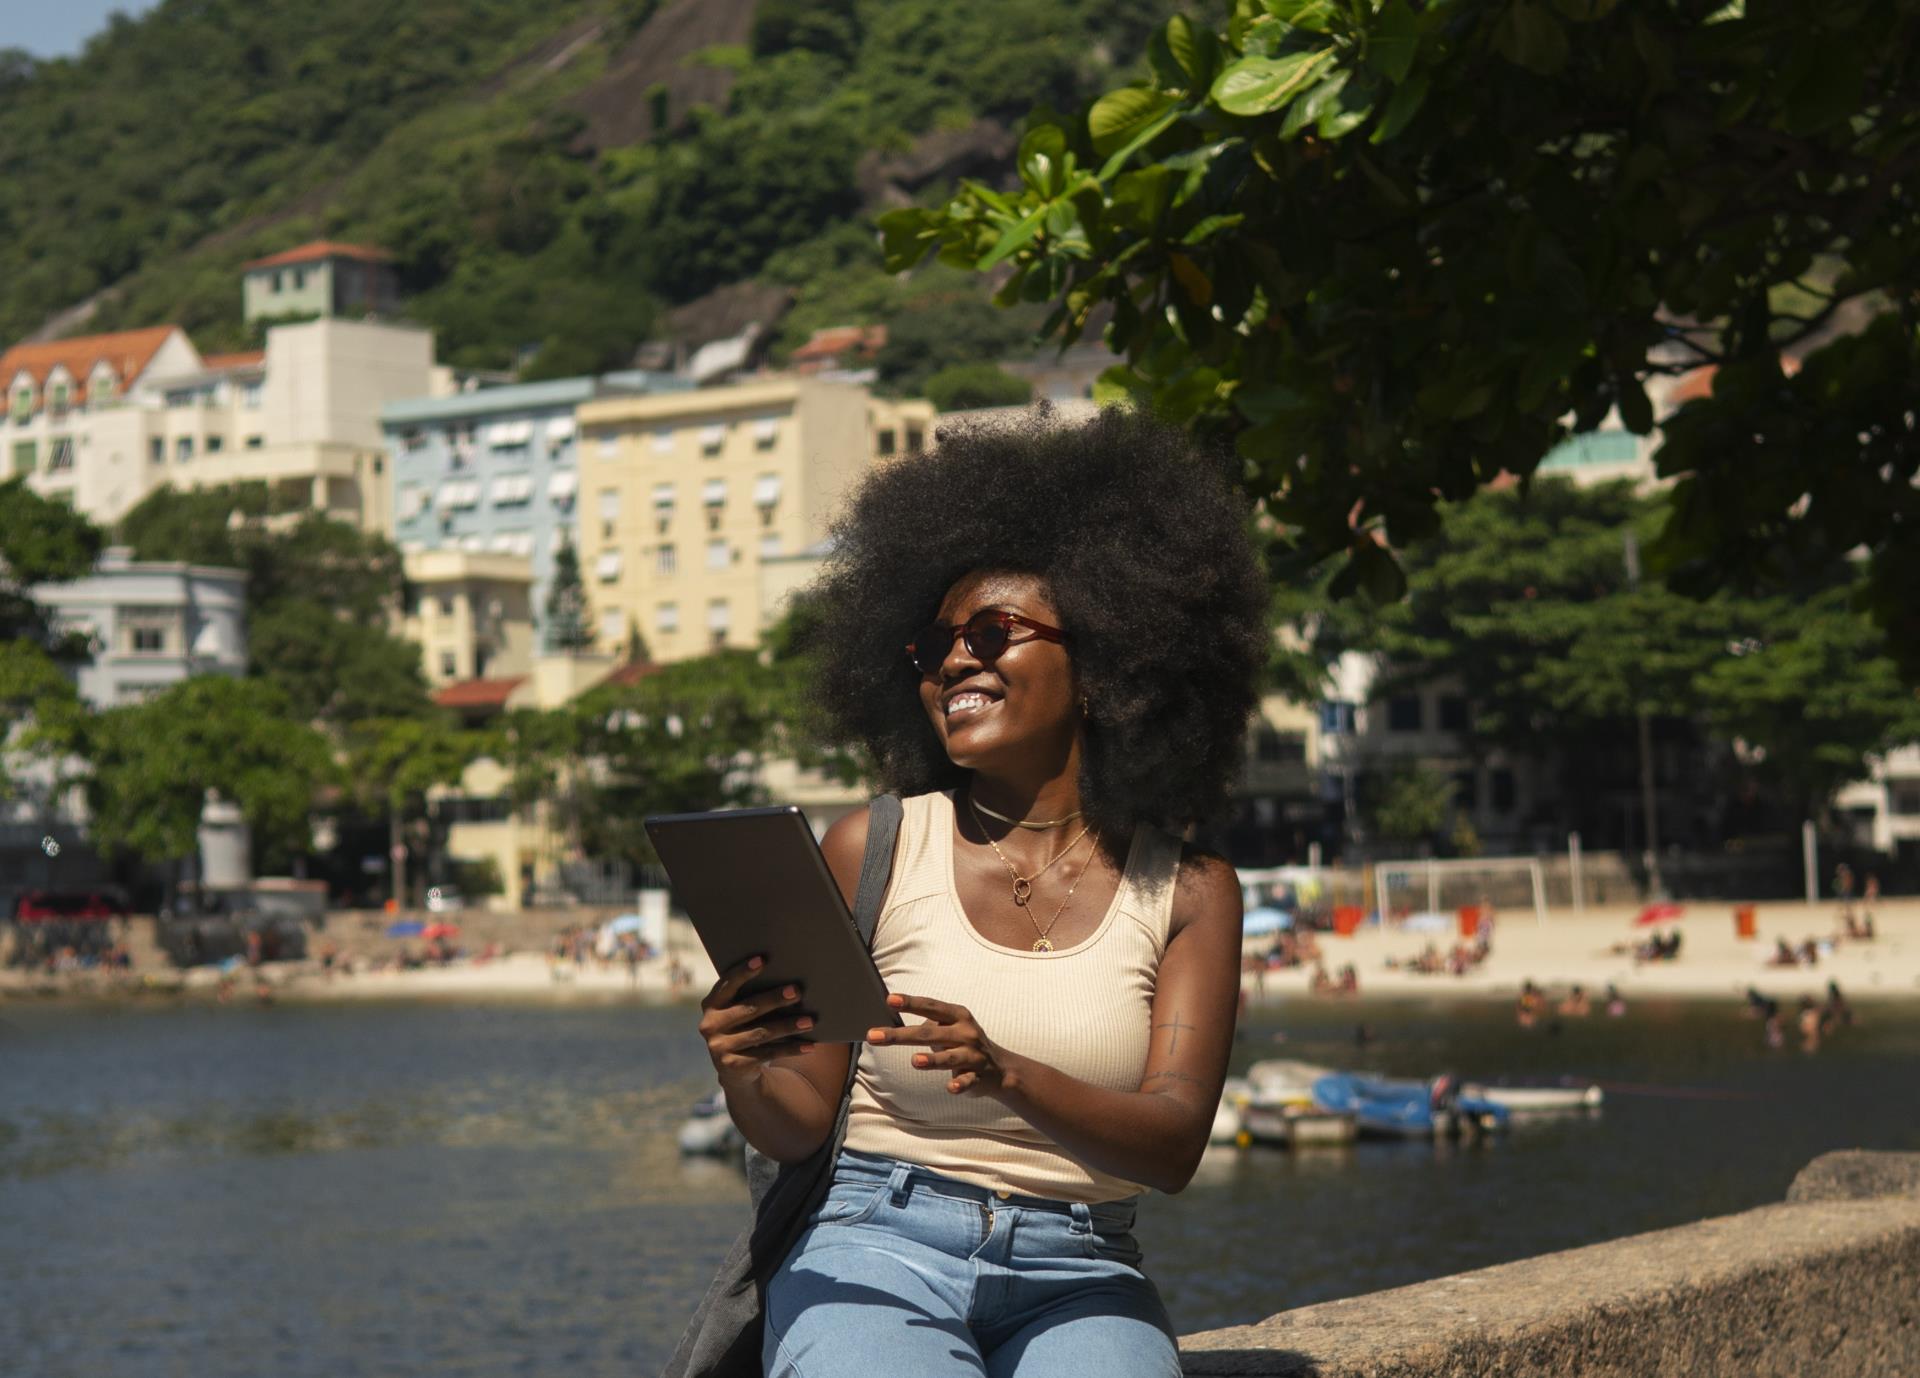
551, 174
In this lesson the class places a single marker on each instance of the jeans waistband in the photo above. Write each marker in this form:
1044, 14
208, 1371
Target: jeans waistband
904, 1178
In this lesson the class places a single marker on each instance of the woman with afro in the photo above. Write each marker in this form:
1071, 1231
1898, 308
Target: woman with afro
1047, 639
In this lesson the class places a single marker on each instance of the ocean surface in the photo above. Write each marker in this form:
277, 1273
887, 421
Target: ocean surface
374, 1189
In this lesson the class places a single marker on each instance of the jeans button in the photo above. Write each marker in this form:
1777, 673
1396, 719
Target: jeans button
1004, 1195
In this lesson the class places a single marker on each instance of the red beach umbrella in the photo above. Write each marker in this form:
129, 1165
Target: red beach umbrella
1659, 913
440, 930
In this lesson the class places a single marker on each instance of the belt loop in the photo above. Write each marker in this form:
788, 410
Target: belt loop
898, 1182
1082, 1218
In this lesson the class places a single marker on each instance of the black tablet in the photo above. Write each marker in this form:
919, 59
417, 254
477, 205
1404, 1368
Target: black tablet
753, 880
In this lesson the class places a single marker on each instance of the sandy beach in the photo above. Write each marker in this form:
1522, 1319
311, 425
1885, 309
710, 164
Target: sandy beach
1592, 950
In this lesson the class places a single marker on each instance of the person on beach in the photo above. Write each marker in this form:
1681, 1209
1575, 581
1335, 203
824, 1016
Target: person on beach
1047, 640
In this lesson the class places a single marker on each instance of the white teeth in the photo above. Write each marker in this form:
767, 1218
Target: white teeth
960, 701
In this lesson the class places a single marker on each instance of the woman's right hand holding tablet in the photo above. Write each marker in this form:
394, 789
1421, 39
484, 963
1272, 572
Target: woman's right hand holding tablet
744, 1035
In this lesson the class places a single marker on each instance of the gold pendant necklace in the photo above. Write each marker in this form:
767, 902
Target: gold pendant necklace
1022, 885
1038, 827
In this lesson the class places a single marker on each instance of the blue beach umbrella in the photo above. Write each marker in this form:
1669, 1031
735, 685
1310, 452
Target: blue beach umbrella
1264, 920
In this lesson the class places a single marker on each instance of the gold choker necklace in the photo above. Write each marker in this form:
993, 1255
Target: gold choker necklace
1021, 822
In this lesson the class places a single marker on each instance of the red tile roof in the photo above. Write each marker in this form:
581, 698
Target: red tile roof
128, 352
839, 339
630, 673
319, 249
479, 693
221, 363
1693, 386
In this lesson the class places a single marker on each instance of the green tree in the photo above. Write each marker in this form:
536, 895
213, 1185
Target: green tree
1395, 248
151, 765
321, 596
938, 334
958, 387
567, 628
40, 542
392, 764
686, 737
1413, 806
41, 718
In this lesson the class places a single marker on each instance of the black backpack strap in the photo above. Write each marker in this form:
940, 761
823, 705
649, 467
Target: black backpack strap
876, 867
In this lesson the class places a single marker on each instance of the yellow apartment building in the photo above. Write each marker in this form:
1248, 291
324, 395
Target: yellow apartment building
684, 496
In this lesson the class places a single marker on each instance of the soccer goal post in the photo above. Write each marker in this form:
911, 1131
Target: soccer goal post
1443, 885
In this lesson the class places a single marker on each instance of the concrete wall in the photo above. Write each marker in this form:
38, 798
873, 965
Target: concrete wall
1828, 1282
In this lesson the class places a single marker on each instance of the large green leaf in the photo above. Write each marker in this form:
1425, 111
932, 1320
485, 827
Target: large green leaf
1117, 117
1261, 85
1195, 49
1393, 41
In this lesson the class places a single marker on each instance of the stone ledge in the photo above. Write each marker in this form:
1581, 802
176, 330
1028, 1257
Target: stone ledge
1827, 1285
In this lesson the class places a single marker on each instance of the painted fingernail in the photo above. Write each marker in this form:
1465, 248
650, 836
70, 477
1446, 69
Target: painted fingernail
803, 1024
919, 1061
876, 1035
790, 992
755, 963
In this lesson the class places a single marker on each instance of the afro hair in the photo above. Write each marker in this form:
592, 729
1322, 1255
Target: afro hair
1145, 550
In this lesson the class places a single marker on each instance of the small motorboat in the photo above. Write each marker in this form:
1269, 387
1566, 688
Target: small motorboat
1522, 1096
1392, 1108
1227, 1127
1285, 1081
1288, 1124
708, 1132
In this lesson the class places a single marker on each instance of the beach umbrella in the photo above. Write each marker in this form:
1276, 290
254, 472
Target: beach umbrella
440, 930
1265, 920
1659, 913
624, 923
1428, 921
405, 928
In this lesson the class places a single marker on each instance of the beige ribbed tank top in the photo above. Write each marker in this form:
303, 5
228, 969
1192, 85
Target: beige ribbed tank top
1085, 1010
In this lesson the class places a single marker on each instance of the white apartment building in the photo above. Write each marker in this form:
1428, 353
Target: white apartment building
100, 421
151, 624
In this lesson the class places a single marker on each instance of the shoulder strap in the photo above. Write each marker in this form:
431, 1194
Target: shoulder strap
876, 867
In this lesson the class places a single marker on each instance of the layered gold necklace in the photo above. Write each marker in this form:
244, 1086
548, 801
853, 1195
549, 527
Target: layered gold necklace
1023, 885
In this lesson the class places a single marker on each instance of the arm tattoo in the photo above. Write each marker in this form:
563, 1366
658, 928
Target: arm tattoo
1168, 1076
1176, 1026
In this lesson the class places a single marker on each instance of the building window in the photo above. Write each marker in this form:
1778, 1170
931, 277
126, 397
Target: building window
719, 619
666, 617
101, 388
609, 511
1502, 790
663, 560
183, 448
607, 446
663, 441
254, 442
299, 279
1277, 748
145, 631
446, 605
1466, 790
717, 554
883, 441
22, 405
712, 438
449, 666
766, 492
663, 499
1403, 713
770, 546
916, 440
1336, 718
1453, 713
613, 626
250, 394
60, 453
607, 567
766, 432
57, 399
215, 444
279, 280
1903, 798
26, 454
714, 492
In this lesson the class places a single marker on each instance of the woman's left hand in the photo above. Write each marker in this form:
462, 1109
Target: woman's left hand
959, 1046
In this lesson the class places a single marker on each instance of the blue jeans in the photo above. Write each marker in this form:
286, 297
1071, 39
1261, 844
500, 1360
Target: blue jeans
905, 1271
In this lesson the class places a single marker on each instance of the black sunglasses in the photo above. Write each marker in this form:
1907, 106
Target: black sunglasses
987, 634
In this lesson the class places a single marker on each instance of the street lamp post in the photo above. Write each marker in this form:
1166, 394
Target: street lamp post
1655, 886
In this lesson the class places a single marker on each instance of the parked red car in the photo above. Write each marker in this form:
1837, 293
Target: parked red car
67, 906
